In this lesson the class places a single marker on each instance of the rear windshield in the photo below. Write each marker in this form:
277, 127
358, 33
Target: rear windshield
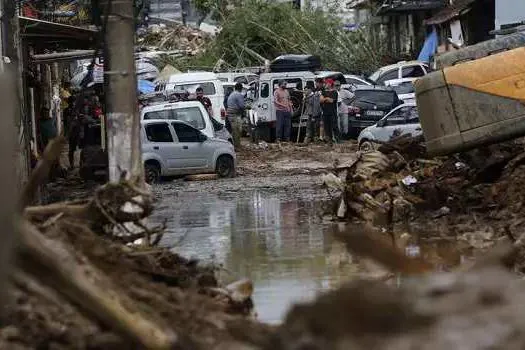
190, 115
380, 98
404, 88
208, 88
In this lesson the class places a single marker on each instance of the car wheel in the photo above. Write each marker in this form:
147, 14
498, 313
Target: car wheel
152, 173
367, 146
225, 166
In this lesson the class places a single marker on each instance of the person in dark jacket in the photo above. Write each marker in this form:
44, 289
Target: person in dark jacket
48, 130
329, 106
313, 111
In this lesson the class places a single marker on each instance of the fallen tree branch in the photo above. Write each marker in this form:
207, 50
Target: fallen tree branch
41, 172
92, 292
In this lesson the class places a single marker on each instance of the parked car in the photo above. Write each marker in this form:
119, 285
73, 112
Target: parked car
404, 88
403, 69
172, 147
191, 112
369, 105
355, 81
189, 82
403, 119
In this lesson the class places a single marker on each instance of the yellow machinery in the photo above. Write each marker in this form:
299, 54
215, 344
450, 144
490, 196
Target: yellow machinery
476, 98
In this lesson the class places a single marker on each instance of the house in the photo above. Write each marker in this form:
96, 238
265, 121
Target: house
401, 21
463, 22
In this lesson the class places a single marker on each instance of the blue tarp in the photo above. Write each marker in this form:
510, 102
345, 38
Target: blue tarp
429, 47
145, 86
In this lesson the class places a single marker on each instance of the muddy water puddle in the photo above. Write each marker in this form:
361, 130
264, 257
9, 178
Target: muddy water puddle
272, 232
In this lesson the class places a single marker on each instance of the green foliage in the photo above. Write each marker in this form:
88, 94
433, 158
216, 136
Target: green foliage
271, 29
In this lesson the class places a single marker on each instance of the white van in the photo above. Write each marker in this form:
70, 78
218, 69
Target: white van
263, 113
189, 82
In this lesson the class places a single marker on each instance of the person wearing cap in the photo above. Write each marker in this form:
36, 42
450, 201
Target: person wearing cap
235, 112
329, 106
283, 111
344, 98
319, 88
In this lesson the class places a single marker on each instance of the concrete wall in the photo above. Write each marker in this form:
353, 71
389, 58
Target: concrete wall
509, 11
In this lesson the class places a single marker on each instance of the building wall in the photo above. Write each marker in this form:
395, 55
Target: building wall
509, 11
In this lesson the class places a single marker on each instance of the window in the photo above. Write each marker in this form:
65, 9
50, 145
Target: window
186, 133
290, 84
158, 133
353, 81
242, 80
190, 115
265, 90
207, 87
404, 115
413, 72
389, 75
380, 98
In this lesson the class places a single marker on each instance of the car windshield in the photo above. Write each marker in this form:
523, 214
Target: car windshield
375, 75
404, 88
190, 115
379, 98
207, 87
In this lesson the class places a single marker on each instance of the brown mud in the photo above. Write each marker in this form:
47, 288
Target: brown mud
477, 198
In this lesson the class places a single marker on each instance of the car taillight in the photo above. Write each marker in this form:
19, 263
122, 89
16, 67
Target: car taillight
223, 113
354, 110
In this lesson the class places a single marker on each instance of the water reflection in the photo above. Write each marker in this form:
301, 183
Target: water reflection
277, 241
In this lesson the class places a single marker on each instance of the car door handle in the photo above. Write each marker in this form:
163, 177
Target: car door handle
184, 147
418, 129
156, 147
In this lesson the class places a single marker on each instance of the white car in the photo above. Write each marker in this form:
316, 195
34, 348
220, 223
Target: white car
404, 119
191, 112
400, 70
172, 147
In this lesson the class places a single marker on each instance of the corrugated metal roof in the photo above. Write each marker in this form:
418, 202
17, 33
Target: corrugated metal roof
450, 12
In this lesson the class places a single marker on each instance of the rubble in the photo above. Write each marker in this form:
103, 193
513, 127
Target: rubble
177, 38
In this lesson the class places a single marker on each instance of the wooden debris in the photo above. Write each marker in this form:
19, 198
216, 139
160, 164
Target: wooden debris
55, 266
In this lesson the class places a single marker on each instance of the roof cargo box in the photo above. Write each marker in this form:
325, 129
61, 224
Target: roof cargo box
295, 63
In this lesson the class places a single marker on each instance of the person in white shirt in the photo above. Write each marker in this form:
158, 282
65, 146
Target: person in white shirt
344, 99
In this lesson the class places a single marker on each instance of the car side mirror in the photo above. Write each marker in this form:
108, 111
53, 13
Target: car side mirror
381, 123
202, 137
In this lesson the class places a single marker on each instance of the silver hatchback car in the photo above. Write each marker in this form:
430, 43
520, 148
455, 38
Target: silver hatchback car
171, 147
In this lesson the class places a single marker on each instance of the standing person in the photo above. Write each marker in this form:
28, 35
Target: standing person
227, 122
329, 106
283, 111
48, 130
74, 137
344, 98
206, 102
235, 112
313, 111
319, 88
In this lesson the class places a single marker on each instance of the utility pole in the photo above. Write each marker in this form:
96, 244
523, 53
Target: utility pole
123, 124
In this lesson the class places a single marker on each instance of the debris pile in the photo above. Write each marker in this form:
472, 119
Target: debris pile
176, 38
398, 181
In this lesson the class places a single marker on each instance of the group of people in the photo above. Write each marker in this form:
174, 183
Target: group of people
325, 104
82, 111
